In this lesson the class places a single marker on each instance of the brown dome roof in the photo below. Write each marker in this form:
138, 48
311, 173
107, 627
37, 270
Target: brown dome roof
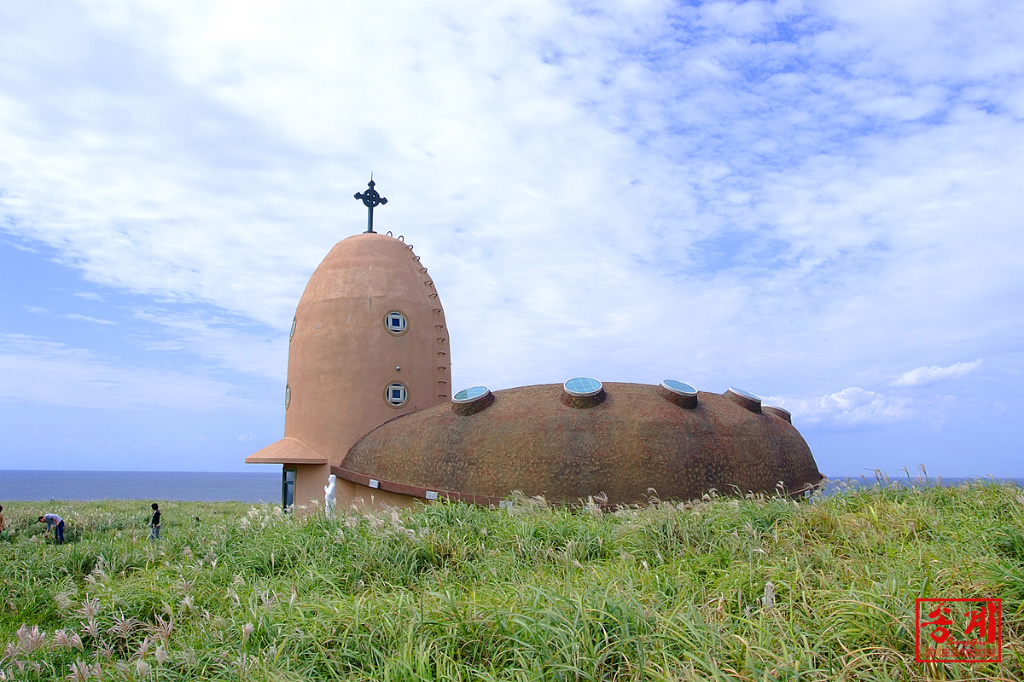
534, 440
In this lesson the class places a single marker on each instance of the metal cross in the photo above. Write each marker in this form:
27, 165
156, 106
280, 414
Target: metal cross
370, 199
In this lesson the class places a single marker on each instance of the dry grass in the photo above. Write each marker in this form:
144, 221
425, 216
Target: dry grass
664, 592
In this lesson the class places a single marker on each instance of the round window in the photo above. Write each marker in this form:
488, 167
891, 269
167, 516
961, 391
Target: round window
582, 392
745, 394
396, 323
469, 395
469, 401
396, 394
582, 386
744, 399
678, 393
679, 388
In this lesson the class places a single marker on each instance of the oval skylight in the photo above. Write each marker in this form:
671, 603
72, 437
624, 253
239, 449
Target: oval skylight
744, 399
780, 412
471, 395
582, 387
679, 388
745, 394
678, 393
469, 401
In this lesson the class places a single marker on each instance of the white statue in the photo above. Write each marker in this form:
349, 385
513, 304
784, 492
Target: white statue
332, 481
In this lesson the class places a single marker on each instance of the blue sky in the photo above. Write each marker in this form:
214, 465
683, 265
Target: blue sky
818, 202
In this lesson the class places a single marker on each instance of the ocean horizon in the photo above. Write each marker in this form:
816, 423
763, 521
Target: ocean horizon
257, 486
186, 486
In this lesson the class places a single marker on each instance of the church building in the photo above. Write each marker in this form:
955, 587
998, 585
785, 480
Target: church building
368, 343
368, 399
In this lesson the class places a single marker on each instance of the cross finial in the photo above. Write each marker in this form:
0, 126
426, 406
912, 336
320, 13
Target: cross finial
370, 199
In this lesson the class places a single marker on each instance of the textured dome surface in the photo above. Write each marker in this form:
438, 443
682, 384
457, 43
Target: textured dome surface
530, 440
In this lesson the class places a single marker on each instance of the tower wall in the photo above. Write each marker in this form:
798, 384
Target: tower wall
342, 357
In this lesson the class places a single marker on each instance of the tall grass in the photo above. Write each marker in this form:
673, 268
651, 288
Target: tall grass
453, 592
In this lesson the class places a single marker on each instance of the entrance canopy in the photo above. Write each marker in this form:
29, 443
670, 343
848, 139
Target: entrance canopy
286, 451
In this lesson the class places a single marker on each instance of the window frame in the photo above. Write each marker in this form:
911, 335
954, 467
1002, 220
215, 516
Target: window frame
387, 394
402, 316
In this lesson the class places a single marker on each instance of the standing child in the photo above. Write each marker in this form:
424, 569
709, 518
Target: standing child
154, 525
57, 522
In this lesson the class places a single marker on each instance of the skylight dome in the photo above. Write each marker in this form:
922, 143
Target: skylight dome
472, 400
581, 392
744, 399
472, 394
583, 386
678, 393
678, 387
779, 412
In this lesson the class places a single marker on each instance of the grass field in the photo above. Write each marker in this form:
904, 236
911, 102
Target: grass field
452, 592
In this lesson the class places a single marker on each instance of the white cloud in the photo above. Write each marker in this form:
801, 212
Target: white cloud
39, 310
87, 295
850, 407
229, 342
86, 318
790, 196
40, 371
929, 375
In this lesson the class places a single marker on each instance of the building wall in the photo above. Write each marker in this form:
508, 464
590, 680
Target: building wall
348, 493
308, 492
342, 356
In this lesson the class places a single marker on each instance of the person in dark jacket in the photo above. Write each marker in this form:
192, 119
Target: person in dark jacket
154, 525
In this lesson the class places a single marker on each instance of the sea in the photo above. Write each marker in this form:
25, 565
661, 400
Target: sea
252, 487
191, 486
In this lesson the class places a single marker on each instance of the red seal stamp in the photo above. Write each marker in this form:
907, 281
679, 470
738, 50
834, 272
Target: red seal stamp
959, 631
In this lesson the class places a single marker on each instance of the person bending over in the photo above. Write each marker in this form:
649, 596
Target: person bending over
57, 522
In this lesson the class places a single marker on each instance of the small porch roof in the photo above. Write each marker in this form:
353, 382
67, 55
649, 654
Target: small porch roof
286, 451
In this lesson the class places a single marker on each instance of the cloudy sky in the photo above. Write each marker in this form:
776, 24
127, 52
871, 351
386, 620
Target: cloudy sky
818, 202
